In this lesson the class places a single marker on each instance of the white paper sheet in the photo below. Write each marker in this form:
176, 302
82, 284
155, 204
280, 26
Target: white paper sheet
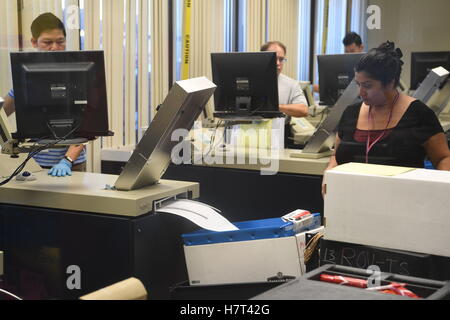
199, 213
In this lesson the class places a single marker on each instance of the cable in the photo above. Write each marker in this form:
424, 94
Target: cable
10, 294
34, 152
318, 113
226, 125
213, 138
311, 246
322, 118
254, 111
23, 164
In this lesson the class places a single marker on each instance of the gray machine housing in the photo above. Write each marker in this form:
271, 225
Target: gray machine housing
182, 106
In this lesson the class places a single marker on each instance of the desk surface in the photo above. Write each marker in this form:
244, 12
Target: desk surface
8, 165
240, 158
87, 192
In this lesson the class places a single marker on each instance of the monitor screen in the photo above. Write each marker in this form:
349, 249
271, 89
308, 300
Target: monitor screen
247, 84
423, 62
60, 95
336, 71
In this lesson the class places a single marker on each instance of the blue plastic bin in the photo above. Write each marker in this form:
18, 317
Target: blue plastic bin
248, 230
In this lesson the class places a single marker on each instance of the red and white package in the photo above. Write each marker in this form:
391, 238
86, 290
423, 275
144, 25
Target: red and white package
346, 281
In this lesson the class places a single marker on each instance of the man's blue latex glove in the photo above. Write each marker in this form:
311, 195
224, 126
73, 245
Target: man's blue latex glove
62, 169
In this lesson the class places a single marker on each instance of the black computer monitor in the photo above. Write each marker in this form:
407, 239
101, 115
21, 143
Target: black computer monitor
247, 84
423, 62
336, 71
60, 95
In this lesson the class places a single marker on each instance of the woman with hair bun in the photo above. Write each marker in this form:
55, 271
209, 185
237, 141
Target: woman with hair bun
388, 127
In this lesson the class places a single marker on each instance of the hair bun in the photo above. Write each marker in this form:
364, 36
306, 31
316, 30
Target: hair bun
399, 54
389, 48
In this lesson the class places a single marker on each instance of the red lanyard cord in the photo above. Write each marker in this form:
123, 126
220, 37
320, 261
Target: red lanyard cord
370, 117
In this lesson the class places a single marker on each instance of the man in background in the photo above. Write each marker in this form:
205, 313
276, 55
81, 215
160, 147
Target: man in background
353, 43
292, 101
49, 34
291, 98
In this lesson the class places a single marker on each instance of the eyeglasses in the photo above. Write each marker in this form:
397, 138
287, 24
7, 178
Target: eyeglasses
282, 59
49, 43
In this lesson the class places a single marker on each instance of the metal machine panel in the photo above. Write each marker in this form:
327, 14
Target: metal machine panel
88, 192
440, 100
431, 83
323, 139
180, 109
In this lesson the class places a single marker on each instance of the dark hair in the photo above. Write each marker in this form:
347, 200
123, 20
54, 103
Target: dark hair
383, 63
352, 37
266, 46
44, 22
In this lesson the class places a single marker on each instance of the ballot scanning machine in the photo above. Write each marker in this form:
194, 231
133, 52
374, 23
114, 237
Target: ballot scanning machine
76, 234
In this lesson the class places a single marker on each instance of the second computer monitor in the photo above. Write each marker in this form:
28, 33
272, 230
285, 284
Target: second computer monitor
247, 84
423, 62
60, 95
336, 71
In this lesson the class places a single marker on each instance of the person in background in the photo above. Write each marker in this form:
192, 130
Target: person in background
352, 44
291, 98
388, 127
290, 95
49, 34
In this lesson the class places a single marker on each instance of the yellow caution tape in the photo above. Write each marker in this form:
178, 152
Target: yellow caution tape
186, 39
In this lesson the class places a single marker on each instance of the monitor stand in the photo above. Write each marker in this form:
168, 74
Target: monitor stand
251, 116
66, 142
237, 119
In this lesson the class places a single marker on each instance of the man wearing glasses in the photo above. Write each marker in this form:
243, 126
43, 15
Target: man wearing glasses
49, 34
290, 96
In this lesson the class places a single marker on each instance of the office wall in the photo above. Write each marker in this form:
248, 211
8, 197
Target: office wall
414, 25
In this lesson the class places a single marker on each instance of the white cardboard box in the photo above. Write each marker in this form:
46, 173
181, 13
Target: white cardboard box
246, 261
390, 207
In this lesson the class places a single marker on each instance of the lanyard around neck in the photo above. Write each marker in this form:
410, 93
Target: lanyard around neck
369, 118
